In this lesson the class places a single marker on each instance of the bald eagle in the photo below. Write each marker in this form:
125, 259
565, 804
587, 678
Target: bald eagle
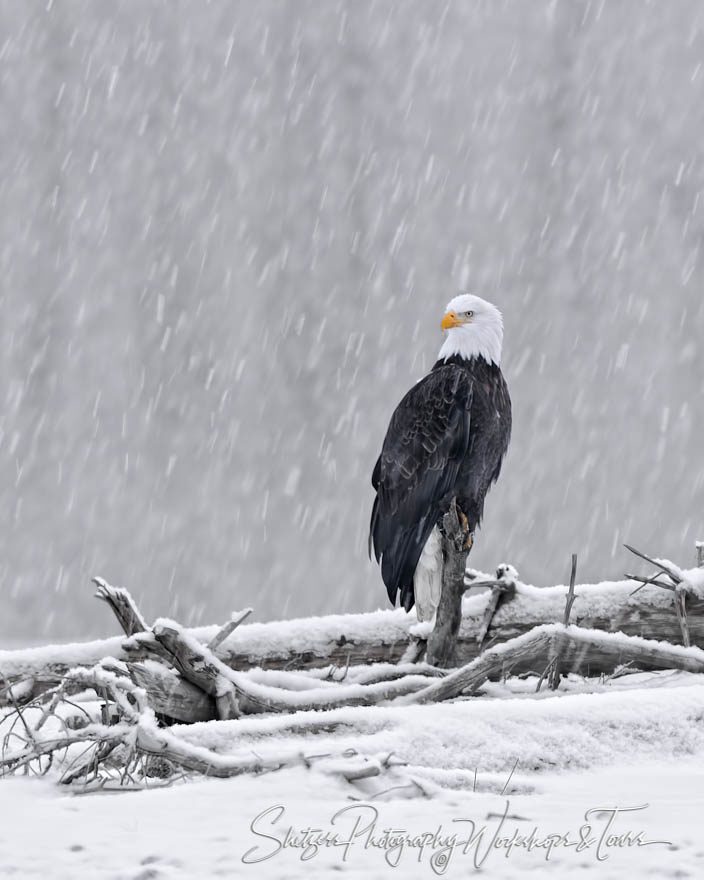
446, 439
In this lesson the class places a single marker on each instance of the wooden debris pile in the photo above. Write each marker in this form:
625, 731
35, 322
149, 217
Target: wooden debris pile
153, 677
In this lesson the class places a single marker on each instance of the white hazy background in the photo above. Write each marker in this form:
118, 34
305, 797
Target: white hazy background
228, 234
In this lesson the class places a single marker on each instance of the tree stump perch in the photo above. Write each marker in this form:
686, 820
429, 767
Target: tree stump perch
442, 641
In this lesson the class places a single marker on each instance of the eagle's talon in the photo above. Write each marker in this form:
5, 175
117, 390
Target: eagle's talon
464, 526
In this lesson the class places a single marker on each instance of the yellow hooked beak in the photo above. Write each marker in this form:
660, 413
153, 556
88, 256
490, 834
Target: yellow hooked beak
450, 320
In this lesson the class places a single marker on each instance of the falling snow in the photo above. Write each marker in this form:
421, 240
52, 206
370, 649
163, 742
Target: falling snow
227, 239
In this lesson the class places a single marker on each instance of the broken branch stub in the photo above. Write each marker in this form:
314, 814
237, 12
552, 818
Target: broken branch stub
442, 641
123, 606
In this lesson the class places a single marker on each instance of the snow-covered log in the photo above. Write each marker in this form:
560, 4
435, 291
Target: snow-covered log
123, 743
386, 636
165, 673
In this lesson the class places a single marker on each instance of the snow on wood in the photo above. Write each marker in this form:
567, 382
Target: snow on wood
165, 674
547, 731
128, 723
384, 636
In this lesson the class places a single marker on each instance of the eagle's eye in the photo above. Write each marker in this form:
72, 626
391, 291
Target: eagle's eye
468, 314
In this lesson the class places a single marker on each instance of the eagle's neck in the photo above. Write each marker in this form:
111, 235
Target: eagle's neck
474, 341
476, 364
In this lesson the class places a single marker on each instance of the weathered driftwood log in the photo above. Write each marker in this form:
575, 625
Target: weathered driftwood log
225, 672
198, 666
350, 640
384, 636
239, 693
115, 752
120, 745
546, 644
171, 696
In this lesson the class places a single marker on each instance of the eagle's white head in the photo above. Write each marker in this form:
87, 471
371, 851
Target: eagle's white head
474, 328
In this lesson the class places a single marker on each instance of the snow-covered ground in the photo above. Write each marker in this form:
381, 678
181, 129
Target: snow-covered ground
607, 783
220, 828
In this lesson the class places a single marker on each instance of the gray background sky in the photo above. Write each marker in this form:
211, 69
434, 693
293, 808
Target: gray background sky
229, 231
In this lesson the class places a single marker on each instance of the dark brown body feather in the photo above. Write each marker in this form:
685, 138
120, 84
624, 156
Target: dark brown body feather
447, 438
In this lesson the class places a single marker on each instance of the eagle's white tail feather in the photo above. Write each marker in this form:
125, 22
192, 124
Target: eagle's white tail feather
427, 579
